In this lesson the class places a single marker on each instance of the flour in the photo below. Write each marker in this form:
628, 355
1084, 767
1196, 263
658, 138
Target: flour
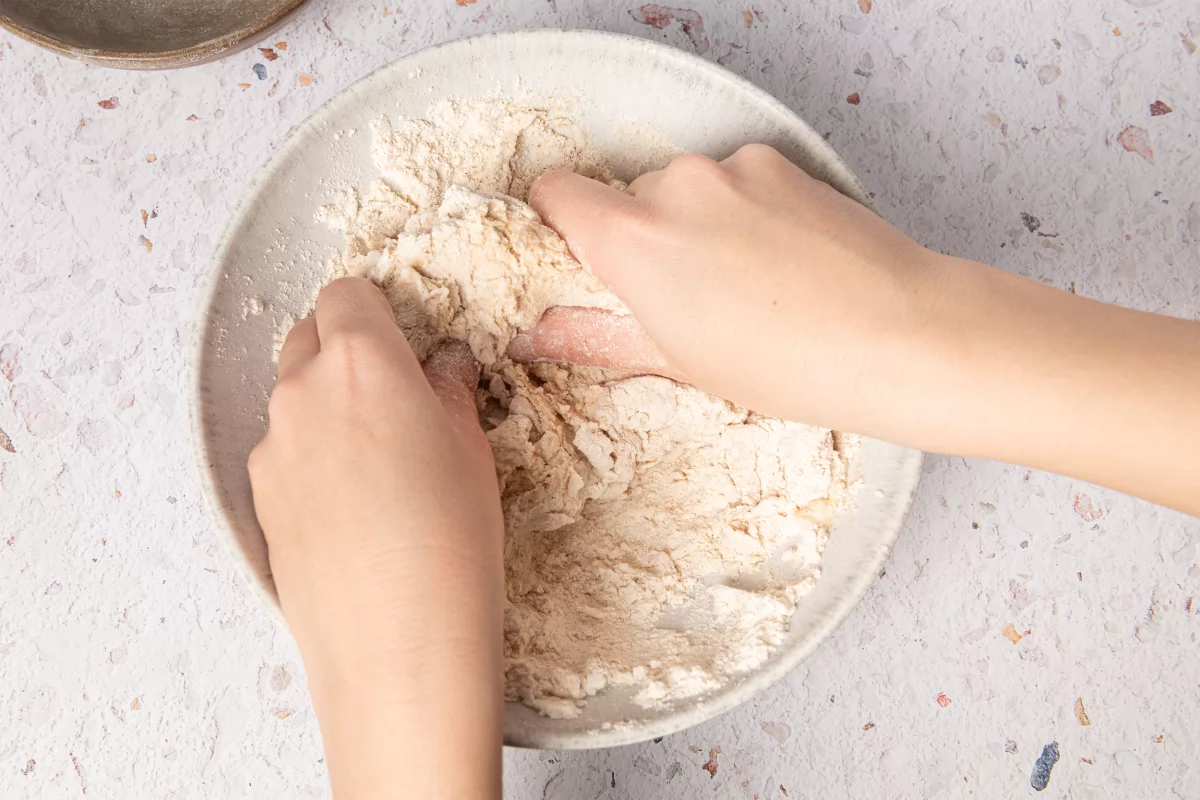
657, 538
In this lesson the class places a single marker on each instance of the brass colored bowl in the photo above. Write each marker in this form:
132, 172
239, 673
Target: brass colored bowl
144, 34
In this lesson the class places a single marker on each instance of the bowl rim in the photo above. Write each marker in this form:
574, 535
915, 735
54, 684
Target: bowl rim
175, 58
732, 696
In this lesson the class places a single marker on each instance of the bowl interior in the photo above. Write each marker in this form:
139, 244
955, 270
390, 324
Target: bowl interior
273, 254
142, 26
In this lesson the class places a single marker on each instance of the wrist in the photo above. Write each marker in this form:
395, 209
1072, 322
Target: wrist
442, 713
935, 354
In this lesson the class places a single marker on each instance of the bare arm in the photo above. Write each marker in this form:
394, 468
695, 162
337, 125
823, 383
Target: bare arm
1032, 375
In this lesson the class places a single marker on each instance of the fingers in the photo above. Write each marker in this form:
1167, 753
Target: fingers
586, 214
300, 347
453, 374
353, 316
352, 304
592, 337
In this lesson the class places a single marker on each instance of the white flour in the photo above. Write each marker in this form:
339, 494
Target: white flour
658, 538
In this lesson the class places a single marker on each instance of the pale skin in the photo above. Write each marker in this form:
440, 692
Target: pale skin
375, 486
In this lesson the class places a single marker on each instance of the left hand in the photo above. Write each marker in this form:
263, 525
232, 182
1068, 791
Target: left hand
377, 493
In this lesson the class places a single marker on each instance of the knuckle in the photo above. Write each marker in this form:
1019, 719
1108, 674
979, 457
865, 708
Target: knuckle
298, 330
256, 462
756, 153
281, 401
332, 292
698, 174
693, 165
758, 163
342, 287
350, 296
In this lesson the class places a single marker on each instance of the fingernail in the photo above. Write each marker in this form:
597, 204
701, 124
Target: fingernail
520, 348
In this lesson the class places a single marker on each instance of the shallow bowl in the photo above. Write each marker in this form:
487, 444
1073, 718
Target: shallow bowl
272, 258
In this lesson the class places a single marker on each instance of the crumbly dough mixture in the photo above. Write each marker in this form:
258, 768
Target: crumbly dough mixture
657, 538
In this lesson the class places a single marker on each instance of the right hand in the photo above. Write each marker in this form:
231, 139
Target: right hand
759, 284
746, 277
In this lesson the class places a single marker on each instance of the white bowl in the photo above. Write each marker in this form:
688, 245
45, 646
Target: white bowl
272, 258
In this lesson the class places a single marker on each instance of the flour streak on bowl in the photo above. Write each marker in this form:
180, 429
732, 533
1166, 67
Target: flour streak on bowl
272, 259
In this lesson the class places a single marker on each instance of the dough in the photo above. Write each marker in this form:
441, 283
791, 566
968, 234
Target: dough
657, 538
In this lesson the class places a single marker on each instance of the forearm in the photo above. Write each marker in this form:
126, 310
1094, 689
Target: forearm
406, 668
1016, 371
428, 729
444, 742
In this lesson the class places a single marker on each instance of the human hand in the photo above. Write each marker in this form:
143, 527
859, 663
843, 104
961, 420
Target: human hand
759, 284
376, 491
748, 278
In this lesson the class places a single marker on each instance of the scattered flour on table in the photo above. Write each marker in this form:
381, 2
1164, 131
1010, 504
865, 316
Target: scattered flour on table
658, 538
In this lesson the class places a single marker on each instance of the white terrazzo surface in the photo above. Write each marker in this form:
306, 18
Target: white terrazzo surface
133, 664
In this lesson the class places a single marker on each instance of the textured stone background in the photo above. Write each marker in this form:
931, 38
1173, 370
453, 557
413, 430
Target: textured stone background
1018, 607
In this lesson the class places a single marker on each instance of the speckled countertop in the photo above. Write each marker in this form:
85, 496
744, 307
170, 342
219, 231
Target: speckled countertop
1020, 610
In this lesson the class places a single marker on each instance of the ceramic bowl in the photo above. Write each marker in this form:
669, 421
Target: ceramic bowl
272, 258
144, 34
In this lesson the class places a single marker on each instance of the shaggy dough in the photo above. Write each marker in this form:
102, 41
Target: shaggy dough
657, 538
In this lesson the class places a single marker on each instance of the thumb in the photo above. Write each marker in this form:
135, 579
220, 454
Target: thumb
453, 374
589, 216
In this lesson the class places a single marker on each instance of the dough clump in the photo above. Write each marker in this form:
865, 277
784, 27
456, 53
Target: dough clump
657, 538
